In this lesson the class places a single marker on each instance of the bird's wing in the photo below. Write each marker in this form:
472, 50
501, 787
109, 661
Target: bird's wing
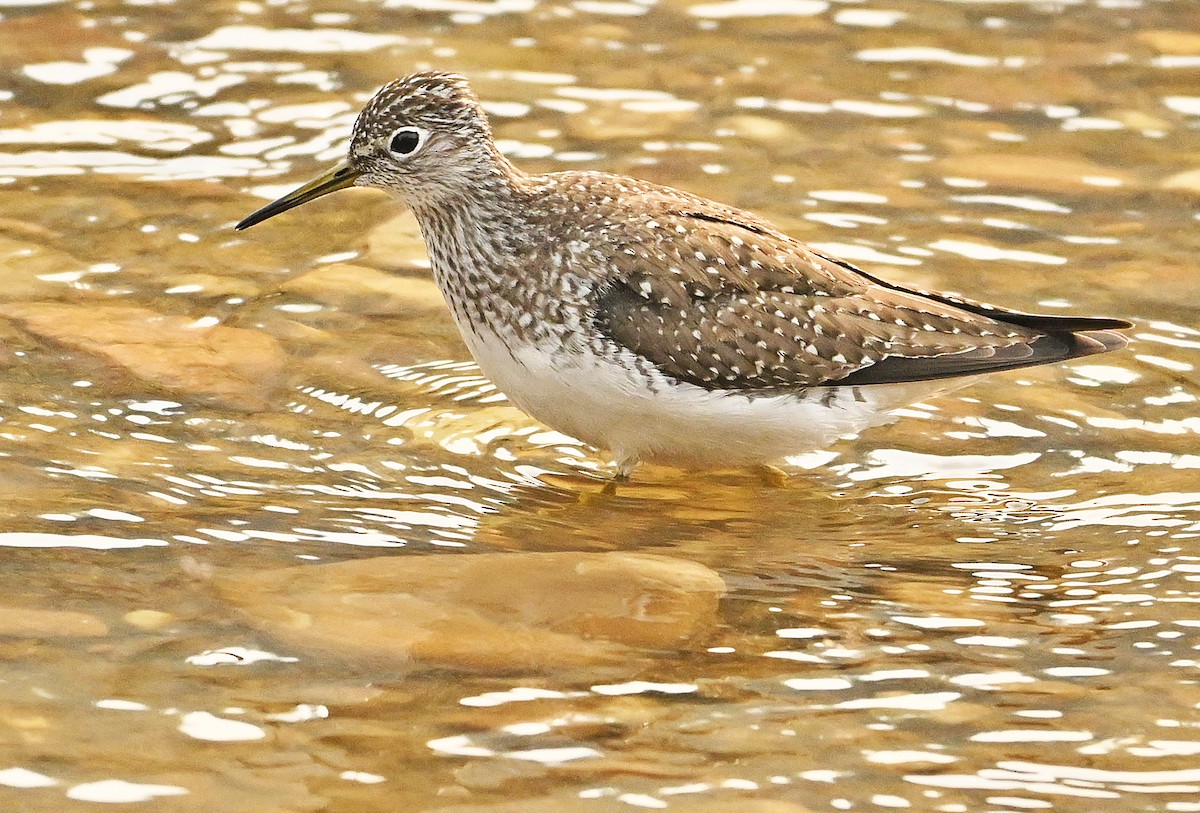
743, 307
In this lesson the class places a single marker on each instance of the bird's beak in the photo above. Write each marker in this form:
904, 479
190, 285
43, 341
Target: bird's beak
340, 177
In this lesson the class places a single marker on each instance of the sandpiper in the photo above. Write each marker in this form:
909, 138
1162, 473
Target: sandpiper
660, 325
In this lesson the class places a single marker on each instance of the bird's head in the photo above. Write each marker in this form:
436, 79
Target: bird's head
422, 137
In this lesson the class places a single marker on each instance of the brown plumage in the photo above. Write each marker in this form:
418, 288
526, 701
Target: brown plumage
646, 302
743, 306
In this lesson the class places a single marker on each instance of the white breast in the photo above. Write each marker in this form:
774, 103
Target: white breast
611, 405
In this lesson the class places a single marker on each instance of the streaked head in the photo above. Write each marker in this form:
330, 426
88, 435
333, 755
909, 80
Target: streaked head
421, 137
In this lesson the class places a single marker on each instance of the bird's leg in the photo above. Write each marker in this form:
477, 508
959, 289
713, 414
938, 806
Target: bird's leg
618, 479
625, 467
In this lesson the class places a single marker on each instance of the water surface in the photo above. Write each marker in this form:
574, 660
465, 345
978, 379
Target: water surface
243, 474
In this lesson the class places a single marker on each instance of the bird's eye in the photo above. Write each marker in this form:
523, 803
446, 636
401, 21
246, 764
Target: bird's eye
406, 140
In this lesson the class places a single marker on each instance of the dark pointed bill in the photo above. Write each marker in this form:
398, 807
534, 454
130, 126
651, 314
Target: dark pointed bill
340, 177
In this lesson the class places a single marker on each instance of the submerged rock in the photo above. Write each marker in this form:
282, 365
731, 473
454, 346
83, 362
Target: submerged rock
495, 612
567, 804
29, 270
357, 289
233, 367
1167, 41
396, 243
1187, 181
23, 622
1036, 172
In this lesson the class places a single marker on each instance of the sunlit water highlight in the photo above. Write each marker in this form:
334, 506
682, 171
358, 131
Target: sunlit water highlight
251, 483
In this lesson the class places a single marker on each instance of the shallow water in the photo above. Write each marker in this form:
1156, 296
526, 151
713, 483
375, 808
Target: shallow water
234, 467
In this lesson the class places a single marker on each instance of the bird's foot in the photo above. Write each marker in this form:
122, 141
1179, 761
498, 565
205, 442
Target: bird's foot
622, 477
624, 472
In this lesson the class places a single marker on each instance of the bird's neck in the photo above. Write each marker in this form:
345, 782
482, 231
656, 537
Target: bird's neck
471, 230
478, 245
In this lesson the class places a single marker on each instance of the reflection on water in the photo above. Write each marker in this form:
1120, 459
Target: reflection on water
270, 542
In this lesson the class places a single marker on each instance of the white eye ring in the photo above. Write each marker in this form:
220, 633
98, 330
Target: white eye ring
406, 141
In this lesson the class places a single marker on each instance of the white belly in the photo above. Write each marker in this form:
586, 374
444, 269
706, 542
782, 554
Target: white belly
605, 405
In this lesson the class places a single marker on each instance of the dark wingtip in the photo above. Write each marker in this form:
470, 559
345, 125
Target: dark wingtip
1087, 323
1053, 323
1090, 343
1049, 348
